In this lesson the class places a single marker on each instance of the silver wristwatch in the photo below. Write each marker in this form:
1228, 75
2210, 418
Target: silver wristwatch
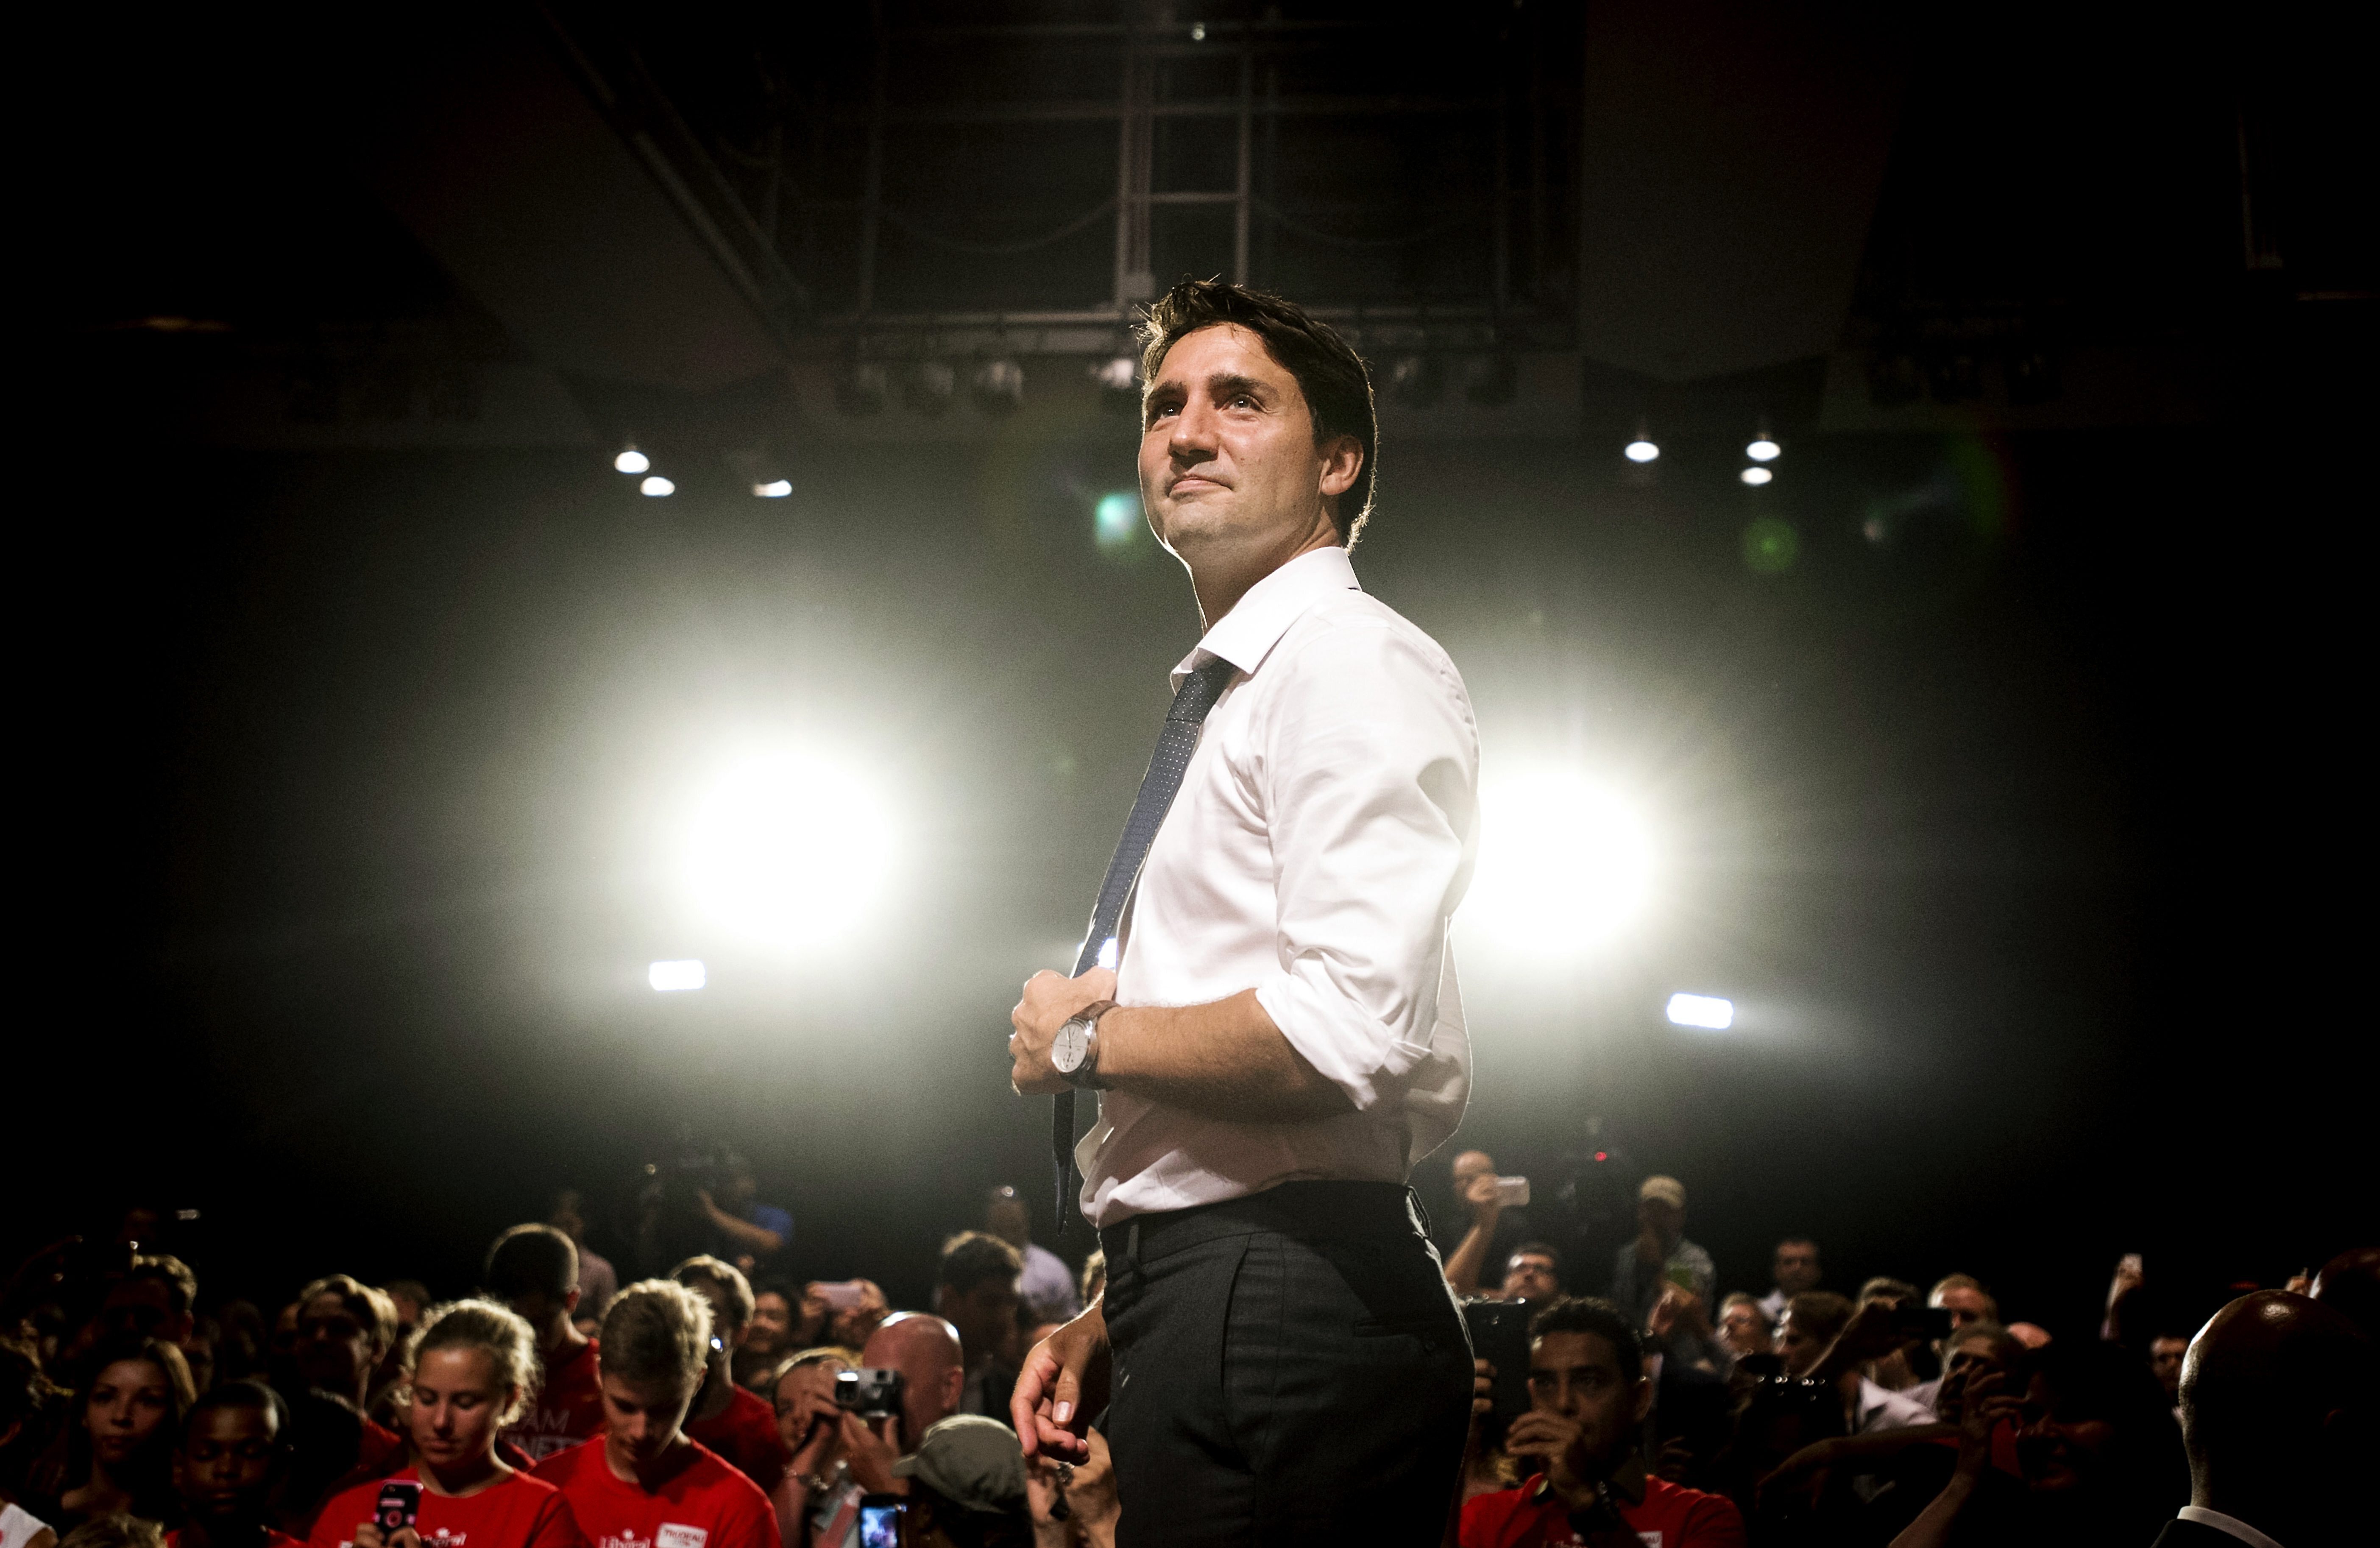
1074, 1052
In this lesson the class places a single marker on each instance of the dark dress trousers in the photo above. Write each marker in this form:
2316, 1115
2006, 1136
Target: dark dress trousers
1289, 1368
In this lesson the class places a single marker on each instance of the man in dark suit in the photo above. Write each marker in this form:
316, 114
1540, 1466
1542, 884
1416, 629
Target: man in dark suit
2278, 1413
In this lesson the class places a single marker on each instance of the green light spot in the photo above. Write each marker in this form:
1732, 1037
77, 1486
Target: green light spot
1116, 523
1770, 546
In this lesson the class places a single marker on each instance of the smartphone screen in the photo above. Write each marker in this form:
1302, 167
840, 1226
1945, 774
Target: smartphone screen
881, 1521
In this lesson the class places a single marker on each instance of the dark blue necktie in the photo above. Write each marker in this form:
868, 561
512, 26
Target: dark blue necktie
1175, 743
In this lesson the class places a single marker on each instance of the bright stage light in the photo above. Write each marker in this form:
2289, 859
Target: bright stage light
1756, 475
1640, 450
775, 489
656, 487
671, 978
1116, 521
789, 849
1564, 864
1763, 450
631, 460
1706, 1011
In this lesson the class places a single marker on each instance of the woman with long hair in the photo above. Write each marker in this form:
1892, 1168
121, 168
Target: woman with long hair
115, 1452
467, 1374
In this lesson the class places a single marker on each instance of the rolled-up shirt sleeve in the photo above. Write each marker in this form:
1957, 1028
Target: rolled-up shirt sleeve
1369, 779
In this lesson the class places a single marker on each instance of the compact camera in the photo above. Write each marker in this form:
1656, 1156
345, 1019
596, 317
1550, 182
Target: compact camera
873, 1392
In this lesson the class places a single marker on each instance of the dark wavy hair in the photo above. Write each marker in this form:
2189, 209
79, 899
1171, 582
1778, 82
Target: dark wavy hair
1593, 1314
1338, 388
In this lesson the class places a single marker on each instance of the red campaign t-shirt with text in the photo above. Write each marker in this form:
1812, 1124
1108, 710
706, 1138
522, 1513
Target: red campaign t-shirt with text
520, 1512
745, 1436
568, 1408
1668, 1516
272, 1540
706, 1503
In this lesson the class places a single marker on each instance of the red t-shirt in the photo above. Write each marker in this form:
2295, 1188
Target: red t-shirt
568, 1409
745, 1436
521, 1512
380, 1450
1670, 1516
706, 1503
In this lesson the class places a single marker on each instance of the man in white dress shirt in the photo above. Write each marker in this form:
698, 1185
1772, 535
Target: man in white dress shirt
1283, 1038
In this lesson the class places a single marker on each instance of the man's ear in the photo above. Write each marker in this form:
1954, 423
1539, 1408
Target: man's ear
1644, 1397
1343, 460
570, 1299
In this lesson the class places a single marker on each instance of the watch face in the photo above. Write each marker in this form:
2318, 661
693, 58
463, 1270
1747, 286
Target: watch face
1067, 1048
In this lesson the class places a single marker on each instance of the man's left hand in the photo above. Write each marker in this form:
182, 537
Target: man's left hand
1561, 1444
1051, 1001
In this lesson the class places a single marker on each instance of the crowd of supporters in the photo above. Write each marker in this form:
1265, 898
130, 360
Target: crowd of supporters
716, 1405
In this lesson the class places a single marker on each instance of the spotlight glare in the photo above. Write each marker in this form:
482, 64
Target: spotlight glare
671, 977
631, 460
657, 486
1706, 1011
775, 489
1640, 450
1756, 475
789, 849
1763, 450
1116, 521
1564, 864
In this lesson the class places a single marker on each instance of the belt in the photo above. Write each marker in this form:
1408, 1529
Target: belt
1294, 1208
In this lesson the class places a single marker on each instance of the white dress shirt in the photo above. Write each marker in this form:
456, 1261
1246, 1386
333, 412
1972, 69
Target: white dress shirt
1324, 833
2223, 1523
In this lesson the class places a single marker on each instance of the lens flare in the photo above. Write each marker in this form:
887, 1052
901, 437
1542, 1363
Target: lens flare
789, 849
1564, 864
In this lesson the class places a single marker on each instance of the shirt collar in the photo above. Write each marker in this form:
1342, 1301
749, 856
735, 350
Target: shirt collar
1627, 1481
2222, 1523
1247, 633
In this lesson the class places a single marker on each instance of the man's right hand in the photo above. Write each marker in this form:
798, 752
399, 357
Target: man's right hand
1065, 1383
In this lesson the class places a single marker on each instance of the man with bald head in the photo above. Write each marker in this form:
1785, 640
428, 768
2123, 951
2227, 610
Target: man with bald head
926, 1350
2277, 1396
2349, 1284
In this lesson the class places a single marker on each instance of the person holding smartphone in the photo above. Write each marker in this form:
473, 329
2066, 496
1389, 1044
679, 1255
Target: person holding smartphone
1661, 1256
644, 1481
468, 1372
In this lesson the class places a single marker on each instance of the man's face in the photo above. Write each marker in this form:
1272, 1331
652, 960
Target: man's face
2058, 1454
2164, 1363
773, 1324
1796, 1344
144, 1307
641, 1418
1797, 1266
985, 1316
1577, 1377
1964, 1303
1470, 1164
726, 1331
1227, 463
334, 1348
224, 1463
1531, 1276
1006, 1219
741, 1189
1966, 1361
1744, 1329
1664, 1219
